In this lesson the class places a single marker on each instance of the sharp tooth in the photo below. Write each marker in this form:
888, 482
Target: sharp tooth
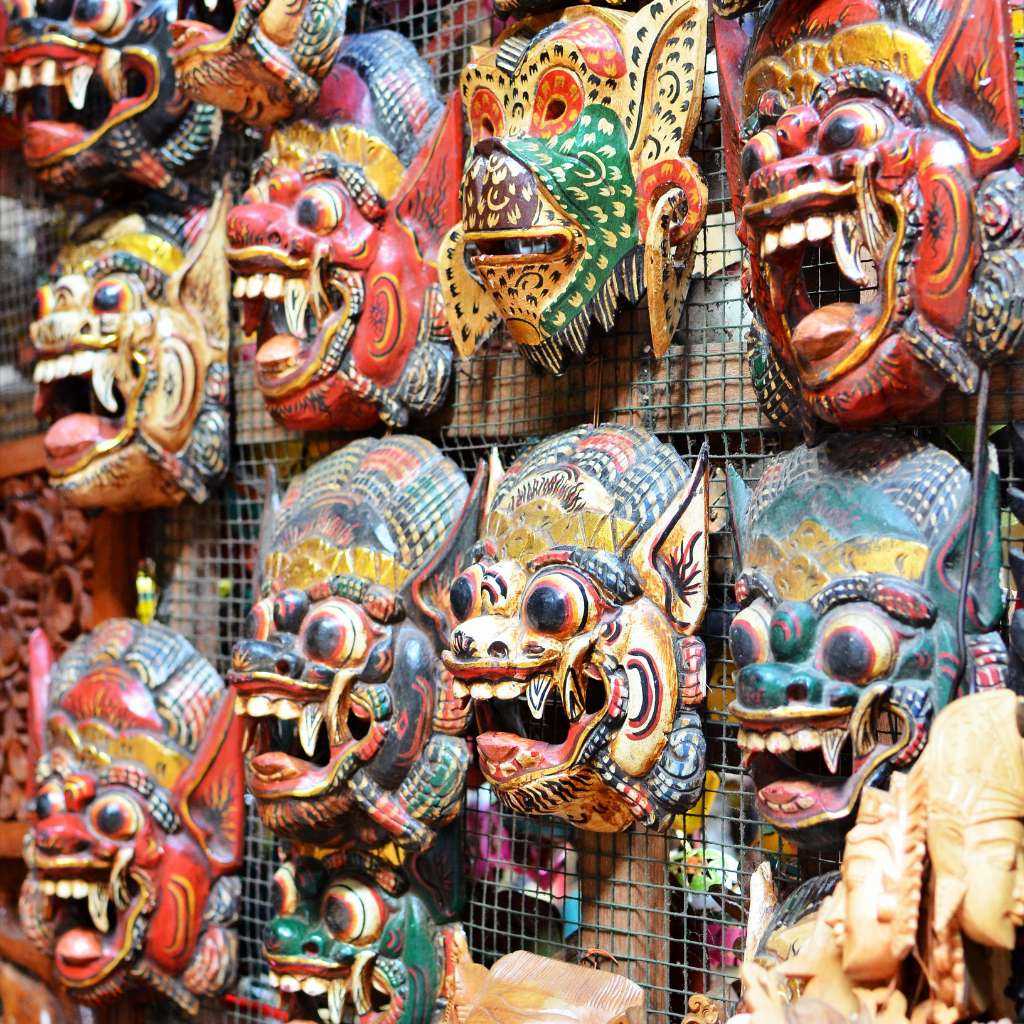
274, 286
258, 707
238, 290
792, 234
362, 972
537, 693
98, 901
273, 979
323, 1014
508, 690
778, 743
25, 78
460, 690
309, 727
10, 80
296, 299
771, 241
111, 73
211, 5
845, 242
239, 705
572, 699
286, 710
806, 739
79, 889
313, 986
818, 228
872, 223
254, 286
65, 889
48, 73
480, 691
288, 983
103, 369
336, 1001
831, 744
76, 83
118, 884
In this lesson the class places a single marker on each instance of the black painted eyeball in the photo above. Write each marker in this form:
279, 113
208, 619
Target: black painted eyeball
334, 634
858, 647
290, 609
354, 912
464, 593
116, 815
749, 636
558, 603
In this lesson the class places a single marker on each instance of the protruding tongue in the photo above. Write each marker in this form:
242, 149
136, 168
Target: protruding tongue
77, 432
79, 946
278, 354
186, 34
498, 747
276, 765
823, 333
45, 138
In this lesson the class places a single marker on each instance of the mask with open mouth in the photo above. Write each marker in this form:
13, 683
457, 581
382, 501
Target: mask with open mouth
353, 731
882, 139
131, 347
577, 630
98, 100
140, 815
262, 61
334, 250
851, 556
356, 943
578, 190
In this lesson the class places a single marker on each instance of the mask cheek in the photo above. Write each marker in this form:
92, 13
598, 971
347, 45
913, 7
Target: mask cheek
171, 409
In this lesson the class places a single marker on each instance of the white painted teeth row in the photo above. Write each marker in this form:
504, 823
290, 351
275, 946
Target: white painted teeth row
96, 893
260, 707
846, 234
777, 742
101, 365
292, 291
335, 990
75, 81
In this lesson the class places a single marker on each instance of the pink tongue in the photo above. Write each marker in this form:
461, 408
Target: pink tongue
44, 138
79, 946
278, 353
824, 332
77, 431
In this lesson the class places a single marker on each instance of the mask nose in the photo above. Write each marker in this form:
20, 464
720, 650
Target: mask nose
773, 685
271, 656
62, 835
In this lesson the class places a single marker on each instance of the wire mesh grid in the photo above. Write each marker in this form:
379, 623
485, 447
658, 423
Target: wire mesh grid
669, 909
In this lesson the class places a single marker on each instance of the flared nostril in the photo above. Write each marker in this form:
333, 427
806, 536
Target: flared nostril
271, 940
498, 650
312, 946
796, 693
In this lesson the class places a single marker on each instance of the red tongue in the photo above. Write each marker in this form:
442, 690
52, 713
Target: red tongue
278, 353
44, 138
76, 432
79, 946
188, 34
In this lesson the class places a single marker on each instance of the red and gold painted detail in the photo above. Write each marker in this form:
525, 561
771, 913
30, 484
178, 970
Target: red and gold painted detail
599, 44
486, 115
557, 104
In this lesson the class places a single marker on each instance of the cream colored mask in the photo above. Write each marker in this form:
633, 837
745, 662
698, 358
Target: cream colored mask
131, 348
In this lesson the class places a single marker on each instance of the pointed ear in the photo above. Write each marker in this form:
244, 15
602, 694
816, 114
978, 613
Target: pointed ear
671, 558
202, 285
428, 198
970, 83
731, 44
426, 593
271, 504
738, 494
40, 667
495, 474
472, 315
210, 794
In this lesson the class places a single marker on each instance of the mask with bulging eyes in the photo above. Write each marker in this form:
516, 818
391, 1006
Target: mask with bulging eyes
130, 338
356, 943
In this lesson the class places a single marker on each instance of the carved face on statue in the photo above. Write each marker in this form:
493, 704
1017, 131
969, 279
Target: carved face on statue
878, 137
578, 190
260, 61
139, 817
352, 726
334, 250
131, 340
851, 555
98, 99
577, 630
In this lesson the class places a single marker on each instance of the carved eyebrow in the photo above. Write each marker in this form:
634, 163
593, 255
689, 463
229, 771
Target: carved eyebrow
903, 600
754, 584
859, 80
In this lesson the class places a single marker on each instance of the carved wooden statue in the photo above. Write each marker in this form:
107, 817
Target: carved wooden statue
131, 349
352, 726
850, 560
882, 136
334, 249
134, 856
98, 99
577, 630
578, 191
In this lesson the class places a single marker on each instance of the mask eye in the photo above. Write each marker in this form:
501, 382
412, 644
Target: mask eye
557, 104
321, 208
464, 593
749, 636
116, 816
290, 608
281, 187
486, 118
334, 634
858, 647
353, 912
113, 296
44, 303
558, 604
761, 150
50, 801
284, 896
852, 126
108, 17
258, 621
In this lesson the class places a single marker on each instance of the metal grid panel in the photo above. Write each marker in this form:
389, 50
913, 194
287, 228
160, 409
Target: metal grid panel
534, 883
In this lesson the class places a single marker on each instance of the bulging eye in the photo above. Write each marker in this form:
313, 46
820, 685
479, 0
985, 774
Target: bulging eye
558, 604
116, 816
858, 646
258, 621
290, 608
281, 187
749, 636
44, 303
464, 593
334, 634
49, 801
113, 296
354, 912
761, 150
108, 17
557, 104
321, 208
486, 118
284, 896
852, 126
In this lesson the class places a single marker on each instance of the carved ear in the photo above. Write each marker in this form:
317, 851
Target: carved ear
738, 494
40, 667
495, 474
202, 284
671, 558
731, 44
472, 315
428, 198
210, 794
426, 593
271, 505
969, 85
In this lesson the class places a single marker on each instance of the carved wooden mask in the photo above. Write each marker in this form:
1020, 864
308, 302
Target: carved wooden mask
131, 347
334, 251
352, 728
851, 555
97, 94
578, 190
576, 636
134, 856
883, 136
